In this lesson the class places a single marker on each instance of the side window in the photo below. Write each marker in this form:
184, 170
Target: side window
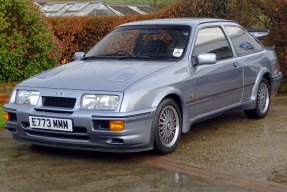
244, 43
211, 40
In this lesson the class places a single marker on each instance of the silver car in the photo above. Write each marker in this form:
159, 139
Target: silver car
145, 84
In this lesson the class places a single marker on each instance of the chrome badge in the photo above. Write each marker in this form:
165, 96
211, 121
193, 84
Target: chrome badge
59, 93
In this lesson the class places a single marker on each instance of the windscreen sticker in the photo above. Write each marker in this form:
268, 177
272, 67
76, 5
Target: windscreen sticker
177, 52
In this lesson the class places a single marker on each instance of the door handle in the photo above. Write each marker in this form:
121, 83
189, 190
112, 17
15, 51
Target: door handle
235, 64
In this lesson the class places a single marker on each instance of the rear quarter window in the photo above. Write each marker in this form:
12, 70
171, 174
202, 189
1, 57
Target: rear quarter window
244, 43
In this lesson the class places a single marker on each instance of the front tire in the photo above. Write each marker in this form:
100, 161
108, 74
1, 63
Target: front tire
262, 101
167, 126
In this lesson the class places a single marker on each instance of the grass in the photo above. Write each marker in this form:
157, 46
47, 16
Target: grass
2, 122
283, 89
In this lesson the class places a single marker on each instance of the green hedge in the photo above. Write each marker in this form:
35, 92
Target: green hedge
2, 122
27, 43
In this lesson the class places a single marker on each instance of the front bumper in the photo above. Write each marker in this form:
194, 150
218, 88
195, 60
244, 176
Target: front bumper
137, 135
276, 81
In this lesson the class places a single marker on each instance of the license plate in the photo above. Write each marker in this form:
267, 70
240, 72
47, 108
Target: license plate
51, 123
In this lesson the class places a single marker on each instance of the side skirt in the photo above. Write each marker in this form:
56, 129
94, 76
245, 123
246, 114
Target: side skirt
250, 104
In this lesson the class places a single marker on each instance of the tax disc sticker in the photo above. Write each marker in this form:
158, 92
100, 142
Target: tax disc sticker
177, 52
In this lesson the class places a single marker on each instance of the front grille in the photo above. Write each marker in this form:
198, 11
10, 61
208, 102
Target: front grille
64, 102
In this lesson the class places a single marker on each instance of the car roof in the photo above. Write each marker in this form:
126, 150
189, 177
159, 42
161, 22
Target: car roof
177, 21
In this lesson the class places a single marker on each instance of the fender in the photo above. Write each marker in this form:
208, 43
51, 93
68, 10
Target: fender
260, 75
164, 92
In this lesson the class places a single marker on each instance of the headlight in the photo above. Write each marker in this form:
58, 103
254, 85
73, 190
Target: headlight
100, 102
27, 97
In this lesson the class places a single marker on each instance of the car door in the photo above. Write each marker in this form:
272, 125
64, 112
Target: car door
216, 85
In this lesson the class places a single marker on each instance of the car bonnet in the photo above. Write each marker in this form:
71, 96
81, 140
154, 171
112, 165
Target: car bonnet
105, 75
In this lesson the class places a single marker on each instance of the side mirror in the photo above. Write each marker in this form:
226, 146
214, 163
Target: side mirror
78, 55
206, 58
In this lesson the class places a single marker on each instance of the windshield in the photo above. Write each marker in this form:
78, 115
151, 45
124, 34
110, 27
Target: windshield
142, 42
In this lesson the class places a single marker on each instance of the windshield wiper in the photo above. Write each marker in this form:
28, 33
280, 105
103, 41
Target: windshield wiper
126, 57
111, 56
160, 56
94, 57
147, 56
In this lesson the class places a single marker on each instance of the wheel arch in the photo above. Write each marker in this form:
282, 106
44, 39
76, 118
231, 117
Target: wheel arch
175, 95
257, 112
177, 99
264, 73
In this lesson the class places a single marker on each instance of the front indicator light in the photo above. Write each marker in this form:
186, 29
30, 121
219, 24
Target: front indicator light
117, 125
6, 116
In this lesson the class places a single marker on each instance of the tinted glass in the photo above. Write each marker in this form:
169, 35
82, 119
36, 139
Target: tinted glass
143, 42
244, 43
211, 40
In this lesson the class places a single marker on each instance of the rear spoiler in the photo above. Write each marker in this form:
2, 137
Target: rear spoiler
259, 33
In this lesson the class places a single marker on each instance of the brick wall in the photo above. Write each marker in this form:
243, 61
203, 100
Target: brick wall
5, 90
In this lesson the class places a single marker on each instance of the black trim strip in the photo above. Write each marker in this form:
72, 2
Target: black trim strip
8, 109
117, 117
250, 84
53, 111
54, 132
191, 101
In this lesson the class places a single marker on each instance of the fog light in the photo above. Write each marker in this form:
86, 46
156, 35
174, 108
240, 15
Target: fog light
117, 125
6, 116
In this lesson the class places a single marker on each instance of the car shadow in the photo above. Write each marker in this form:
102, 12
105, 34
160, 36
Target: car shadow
210, 124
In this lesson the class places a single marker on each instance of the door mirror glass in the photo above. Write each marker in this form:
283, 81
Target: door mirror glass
206, 58
78, 55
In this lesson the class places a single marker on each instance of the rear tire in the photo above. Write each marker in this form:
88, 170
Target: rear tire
167, 126
262, 101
